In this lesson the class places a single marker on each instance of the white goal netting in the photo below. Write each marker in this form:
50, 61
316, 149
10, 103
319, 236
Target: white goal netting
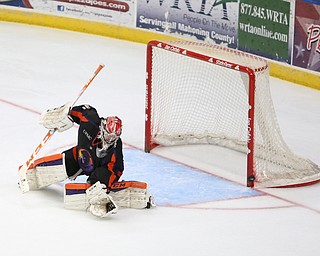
194, 100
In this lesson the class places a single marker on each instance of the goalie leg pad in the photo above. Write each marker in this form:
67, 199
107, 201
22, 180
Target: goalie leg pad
132, 194
82, 196
136, 198
32, 179
127, 194
75, 197
46, 171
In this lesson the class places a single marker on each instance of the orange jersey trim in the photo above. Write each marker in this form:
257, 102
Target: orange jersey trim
110, 167
79, 115
74, 152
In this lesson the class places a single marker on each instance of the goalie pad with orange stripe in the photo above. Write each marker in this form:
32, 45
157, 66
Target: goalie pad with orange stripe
46, 171
126, 194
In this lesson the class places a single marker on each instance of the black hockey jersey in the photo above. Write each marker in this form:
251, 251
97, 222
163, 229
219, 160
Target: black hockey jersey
107, 169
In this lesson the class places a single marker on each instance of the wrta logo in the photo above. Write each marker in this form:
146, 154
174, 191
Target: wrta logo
204, 8
313, 37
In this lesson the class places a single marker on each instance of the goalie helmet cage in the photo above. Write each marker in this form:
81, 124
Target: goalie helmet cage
204, 93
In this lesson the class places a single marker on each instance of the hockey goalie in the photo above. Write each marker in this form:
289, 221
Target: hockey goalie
98, 155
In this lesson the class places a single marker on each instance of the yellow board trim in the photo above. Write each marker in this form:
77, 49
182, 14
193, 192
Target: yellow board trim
285, 72
295, 75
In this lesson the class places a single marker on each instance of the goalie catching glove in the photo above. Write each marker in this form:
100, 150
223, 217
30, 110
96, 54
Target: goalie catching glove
100, 203
57, 118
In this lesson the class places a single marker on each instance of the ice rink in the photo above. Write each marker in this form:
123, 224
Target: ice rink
204, 208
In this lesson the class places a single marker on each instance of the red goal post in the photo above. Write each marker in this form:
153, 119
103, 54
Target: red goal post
204, 93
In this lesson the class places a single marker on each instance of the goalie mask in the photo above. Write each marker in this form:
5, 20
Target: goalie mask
110, 131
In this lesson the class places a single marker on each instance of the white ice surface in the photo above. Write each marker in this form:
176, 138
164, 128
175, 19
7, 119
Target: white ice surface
43, 68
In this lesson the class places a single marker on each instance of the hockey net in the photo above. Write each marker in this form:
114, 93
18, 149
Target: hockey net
204, 93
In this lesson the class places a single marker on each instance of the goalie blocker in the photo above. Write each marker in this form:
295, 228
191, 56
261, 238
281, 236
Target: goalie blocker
126, 194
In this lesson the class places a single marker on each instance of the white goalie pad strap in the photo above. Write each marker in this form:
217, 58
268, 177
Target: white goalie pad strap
47, 173
57, 118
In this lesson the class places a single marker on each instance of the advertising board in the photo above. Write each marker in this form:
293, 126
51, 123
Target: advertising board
264, 28
206, 20
306, 52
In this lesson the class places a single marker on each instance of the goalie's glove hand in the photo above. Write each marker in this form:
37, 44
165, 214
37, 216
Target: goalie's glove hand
57, 118
100, 203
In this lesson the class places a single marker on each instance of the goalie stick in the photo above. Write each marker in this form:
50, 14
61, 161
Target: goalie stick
23, 182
